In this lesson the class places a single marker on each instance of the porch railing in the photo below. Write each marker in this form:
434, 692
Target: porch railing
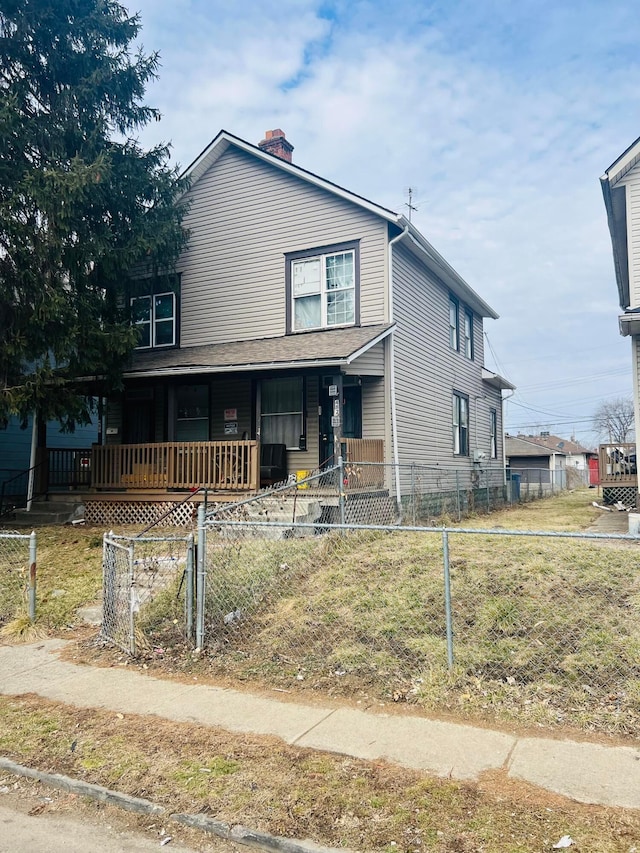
219, 465
618, 465
364, 450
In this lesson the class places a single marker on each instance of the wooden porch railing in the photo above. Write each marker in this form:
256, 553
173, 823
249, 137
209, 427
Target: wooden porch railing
367, 450
618, 465
219, 465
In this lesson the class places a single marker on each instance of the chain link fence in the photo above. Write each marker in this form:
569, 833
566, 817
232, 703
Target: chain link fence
145, 578
17, 576
539, 627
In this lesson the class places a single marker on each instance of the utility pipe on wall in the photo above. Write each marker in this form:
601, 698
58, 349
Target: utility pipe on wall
392, 372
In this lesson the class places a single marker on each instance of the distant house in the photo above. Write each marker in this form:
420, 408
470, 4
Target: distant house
621, 190
576, 456
305, 317
535, 464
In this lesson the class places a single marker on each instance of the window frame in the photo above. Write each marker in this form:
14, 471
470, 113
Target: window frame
151, 289
468, 339
322, 252
454, 323
302, 436
493, 433
460, 406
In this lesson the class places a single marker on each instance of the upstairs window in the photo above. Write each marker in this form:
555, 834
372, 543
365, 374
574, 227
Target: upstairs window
460, 424
454, 323
468, 333
155, 317
323, 288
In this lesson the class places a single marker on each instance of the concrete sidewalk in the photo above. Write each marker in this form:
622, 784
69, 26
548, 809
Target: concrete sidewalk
587, 772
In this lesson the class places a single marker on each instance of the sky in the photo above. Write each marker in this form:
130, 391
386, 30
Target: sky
500, 115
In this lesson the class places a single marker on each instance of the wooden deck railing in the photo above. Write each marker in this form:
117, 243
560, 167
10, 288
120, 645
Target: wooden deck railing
223, 465
370, 451
618, 465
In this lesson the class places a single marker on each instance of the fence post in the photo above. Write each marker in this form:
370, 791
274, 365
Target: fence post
108, 588
458, 495
200, 579
413, 493
132, 610
188, 599
341, 492
488, 491
447, 598
32, 576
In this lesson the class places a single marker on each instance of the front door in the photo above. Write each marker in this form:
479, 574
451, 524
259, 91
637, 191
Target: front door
138, 427
351, 419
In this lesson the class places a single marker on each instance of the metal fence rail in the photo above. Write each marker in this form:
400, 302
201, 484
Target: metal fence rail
546, 621
18, 556
144, 578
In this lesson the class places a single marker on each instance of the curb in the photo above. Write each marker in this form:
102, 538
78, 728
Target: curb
83, 789
237, 833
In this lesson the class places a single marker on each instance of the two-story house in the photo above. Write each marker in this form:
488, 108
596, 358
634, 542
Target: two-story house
621, 190
303, 316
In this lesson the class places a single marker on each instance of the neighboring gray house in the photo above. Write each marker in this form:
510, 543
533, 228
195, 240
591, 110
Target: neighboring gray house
621, 190
300, 308
536, 464
576, 456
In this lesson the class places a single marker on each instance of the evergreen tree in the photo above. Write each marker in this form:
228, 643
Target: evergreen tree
81, 203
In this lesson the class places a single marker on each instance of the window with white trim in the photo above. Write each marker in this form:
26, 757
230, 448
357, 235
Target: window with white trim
454, 323
155, 317
493, 433
323, 290
460, 424
468, 333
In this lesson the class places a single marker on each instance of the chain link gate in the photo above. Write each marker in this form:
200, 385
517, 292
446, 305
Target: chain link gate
17, 576
137, 574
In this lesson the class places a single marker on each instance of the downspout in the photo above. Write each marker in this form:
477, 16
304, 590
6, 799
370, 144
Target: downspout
503, 400
392, 375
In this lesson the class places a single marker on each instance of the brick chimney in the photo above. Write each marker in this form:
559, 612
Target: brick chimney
275, 143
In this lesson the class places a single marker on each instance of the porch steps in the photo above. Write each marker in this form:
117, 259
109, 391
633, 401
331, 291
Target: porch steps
286, 510
51, 512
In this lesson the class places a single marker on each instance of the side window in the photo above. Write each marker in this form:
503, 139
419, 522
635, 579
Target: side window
468, 333
460, 424
493, 433
454, 323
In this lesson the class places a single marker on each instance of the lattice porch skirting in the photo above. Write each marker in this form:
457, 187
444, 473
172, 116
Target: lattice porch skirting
112, 513
626, 494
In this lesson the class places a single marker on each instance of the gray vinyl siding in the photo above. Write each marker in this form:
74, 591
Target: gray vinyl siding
428, 372
374, 408
113, 420
370, 363
245, 215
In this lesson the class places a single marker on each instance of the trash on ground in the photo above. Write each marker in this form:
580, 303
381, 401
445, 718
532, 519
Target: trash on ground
565, 841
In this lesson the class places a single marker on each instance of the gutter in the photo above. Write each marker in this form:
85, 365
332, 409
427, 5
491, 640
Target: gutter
392, 373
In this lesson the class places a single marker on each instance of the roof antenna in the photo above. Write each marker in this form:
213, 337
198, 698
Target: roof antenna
409, 192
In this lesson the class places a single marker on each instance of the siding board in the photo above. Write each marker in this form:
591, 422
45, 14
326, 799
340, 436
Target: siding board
245, 215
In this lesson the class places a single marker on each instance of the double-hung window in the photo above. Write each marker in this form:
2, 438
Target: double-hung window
155, 317
454, 323
460, 424
493, 433
282, 411
323, 288
467, 332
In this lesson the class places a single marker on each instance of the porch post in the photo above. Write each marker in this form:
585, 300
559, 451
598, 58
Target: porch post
336, 421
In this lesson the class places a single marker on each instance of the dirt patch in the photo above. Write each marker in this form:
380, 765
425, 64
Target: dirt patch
300, 793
